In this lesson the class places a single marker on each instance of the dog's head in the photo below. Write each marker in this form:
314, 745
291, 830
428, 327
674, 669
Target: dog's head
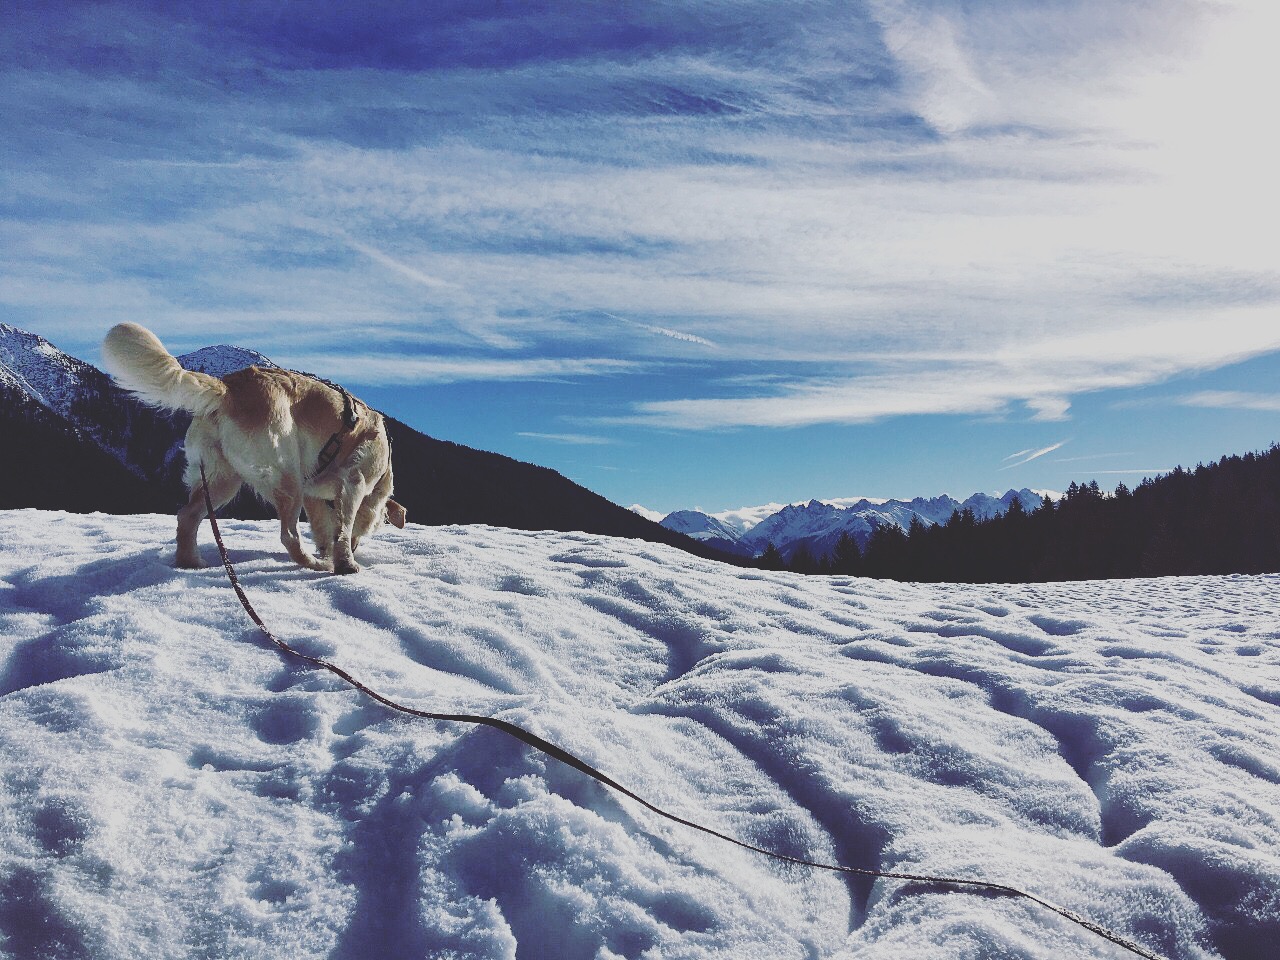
395, 513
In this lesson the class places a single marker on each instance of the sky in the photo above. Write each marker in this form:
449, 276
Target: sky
697, 254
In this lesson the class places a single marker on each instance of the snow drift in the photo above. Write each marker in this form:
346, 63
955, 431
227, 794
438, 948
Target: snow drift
171, 787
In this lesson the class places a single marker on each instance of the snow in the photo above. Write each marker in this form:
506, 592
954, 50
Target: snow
172, 786
745, 518
220, 360
700, 526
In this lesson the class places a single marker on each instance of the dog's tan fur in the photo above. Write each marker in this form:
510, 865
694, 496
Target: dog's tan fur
266, 428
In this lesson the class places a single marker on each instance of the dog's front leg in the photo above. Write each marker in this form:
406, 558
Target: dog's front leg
323, 529
289, 509
344, 508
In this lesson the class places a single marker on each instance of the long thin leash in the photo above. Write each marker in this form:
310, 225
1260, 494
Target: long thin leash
558, 753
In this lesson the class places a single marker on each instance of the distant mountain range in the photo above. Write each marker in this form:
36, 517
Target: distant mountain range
73, 440
818, 525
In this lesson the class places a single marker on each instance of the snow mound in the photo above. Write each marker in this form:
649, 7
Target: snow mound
171, 786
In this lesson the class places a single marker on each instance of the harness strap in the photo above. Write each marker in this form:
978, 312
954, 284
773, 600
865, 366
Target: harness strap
351, 417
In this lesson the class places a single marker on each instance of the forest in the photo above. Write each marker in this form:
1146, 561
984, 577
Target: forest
1220, 518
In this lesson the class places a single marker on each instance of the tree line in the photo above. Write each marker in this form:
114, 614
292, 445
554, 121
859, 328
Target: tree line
1219, 518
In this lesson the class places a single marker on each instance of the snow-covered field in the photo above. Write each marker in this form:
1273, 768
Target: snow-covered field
172, 786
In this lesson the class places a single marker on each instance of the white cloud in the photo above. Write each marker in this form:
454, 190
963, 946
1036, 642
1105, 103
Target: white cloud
580, 439
1049, 409
976, 384
1092, 456
1026, 456
404, 269
663, 331
645, 512
385, 369
1093, 208
1233, 400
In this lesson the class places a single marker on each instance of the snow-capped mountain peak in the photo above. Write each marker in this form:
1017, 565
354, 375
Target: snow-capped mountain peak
700, 526
35, 366
222, 359
86, 403
819, 524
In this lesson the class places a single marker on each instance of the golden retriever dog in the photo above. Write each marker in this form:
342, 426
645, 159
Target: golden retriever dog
297, 441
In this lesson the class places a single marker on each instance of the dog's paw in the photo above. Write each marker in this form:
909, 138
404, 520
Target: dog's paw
188, 563
347, 566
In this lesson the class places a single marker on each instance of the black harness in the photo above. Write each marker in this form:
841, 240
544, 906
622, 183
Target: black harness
350, 417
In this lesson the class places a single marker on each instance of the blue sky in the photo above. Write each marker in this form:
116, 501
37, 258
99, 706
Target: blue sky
689, 254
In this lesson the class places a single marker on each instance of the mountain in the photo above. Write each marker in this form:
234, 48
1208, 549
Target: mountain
91, 446
818, 525
81, 442
222, 359
50, 464
712, 531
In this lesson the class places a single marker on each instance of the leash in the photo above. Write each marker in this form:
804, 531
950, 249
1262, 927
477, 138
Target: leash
558, 753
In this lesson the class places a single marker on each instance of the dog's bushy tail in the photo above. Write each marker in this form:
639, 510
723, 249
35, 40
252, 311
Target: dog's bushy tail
140, 363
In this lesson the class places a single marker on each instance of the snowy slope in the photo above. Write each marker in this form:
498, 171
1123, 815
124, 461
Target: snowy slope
170, 786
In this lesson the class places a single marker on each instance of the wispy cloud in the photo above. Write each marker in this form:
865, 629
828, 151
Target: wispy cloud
663, 331
383, 369
1026, 456
645, 512
903, 202
1233, 400
403, 269
1092, 456
579, 439
974, 381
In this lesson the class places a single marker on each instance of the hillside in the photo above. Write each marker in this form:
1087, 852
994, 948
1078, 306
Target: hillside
170, 786
1220, 518
94, 447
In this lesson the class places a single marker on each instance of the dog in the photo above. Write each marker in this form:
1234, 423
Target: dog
297, 441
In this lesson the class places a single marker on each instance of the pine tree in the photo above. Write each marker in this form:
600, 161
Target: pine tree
846, 558
771, 559
802, 560
886, 554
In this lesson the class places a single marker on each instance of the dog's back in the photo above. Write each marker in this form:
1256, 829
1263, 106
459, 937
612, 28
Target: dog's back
141, 364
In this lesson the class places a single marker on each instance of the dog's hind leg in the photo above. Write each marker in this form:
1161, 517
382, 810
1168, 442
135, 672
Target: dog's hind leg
323, 527
222, 487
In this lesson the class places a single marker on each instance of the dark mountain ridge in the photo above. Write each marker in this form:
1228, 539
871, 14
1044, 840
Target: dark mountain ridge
78, 442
